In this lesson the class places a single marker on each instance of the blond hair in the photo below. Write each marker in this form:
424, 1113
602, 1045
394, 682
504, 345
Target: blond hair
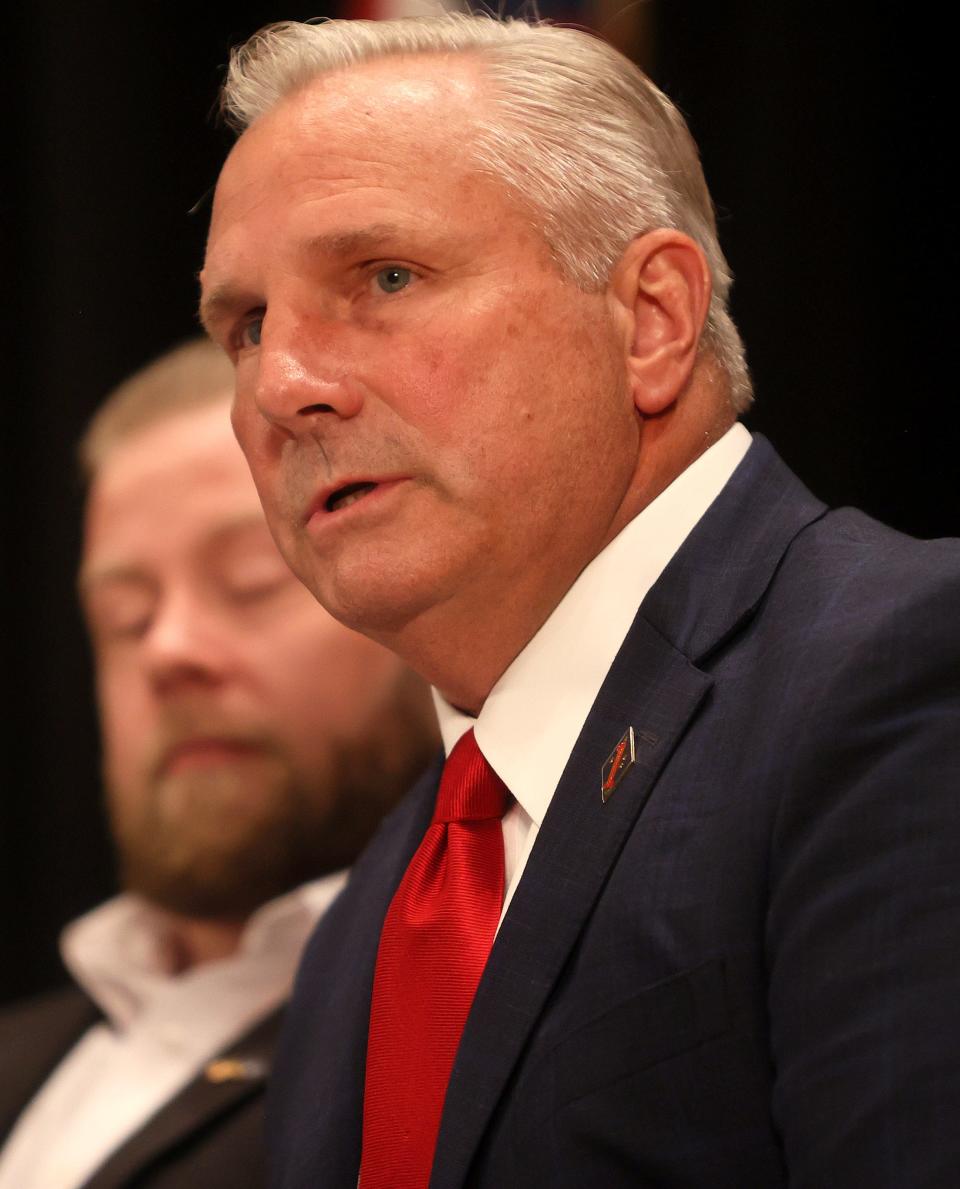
194, 374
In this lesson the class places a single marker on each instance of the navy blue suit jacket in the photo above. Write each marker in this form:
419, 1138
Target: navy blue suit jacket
743, 970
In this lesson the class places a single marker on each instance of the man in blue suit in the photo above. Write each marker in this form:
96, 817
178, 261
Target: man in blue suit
488, 388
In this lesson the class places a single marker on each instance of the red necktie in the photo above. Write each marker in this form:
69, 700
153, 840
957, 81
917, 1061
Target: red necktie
433, 947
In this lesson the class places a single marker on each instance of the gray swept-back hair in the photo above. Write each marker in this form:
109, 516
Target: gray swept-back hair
593, 149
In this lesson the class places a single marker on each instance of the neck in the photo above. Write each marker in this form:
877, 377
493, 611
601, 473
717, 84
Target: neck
188, 942
674, 440
463, 656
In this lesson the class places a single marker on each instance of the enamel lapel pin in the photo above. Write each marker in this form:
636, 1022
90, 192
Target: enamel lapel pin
233, 1069
617, 764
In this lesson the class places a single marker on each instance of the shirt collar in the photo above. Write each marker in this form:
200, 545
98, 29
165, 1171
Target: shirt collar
114, 951
533, 715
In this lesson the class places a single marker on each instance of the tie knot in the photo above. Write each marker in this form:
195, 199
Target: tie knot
470, 790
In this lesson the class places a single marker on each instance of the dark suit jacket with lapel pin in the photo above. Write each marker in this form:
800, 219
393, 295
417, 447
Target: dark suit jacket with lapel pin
743, 970
210, 1136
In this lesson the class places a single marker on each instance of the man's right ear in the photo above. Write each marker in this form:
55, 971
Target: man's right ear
661, 286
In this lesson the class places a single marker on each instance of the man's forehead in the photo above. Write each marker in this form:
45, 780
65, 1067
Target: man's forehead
193, 441
420, 99
405, 80
413, 81
400, 123
177, 471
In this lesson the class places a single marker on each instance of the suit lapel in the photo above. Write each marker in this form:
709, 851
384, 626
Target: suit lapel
233, 1078
34, 1038
712, 585
719, 576
578, 844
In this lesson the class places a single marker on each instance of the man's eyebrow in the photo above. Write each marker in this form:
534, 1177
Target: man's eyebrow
351, 242
236, 529
222, 299
92, 576
216, 302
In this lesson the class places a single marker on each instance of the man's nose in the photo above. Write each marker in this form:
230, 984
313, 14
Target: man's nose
305, 374
186, 645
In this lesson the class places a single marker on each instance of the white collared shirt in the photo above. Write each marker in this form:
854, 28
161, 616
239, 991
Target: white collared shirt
160, 1028
532, 717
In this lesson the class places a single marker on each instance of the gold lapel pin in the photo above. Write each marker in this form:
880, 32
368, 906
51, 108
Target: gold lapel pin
233, 1069
617, 764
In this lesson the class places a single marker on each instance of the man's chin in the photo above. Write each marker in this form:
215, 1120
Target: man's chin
380, 600
217, 839
206, 878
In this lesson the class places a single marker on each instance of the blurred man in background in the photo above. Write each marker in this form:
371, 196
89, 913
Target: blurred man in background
251, 744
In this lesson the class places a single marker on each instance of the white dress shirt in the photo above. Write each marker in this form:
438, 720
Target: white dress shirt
160, 1029
532, 717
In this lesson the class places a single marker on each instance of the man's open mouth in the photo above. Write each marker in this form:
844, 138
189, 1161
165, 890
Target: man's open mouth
344, 496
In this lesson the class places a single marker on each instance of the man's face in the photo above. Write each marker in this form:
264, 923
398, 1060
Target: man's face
250, 741
401, 333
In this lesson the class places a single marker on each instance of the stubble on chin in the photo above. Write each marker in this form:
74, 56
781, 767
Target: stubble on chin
214, 843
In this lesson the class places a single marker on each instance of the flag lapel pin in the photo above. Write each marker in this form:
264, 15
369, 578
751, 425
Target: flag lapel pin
618, 763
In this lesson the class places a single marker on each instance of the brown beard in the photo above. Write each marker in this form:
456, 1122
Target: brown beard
215, 844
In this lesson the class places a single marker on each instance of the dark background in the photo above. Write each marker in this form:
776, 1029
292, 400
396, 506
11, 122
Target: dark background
824, 133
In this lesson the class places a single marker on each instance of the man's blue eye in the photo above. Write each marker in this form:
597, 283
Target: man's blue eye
392, 280
251, 332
